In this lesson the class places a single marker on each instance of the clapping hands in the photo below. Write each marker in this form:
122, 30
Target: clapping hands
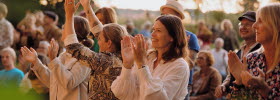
29, 55
236, 66
53, 49
134, 49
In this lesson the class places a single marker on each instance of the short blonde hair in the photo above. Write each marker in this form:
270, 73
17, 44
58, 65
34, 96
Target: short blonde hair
224, 22
209, 57
3, 9
270, 16
11, 51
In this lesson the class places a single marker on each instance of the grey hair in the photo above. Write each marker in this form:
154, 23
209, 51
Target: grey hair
11, 51
44, 43
219, 40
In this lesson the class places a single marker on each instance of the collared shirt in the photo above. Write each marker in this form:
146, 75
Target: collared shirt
168, 81
243, 48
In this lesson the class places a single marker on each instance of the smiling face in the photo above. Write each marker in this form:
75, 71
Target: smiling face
201, 60
246, 30
160, 36
264, 33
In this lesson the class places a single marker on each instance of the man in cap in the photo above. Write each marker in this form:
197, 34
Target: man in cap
247, 33
175, 8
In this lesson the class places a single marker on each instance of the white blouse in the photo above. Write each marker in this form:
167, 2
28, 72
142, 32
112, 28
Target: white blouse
168, 81
65, 76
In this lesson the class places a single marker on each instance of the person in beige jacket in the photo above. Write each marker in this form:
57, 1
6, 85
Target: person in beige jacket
64, 75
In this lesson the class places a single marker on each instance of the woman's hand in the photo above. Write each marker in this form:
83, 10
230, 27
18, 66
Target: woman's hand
127, 52
256, 82
236, 66
70, 7
252, 81
53, 50
140, 50
30, 56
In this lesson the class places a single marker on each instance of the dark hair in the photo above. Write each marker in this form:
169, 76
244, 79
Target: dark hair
44, 60
176, 30
51, 15
82, 30
32, 75
115, 33
109, 15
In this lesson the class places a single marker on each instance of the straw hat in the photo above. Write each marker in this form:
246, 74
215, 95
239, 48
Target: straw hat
174, 5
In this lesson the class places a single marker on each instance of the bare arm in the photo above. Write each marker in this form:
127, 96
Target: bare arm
95, 24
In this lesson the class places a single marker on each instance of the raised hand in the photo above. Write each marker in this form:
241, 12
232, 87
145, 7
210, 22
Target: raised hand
140, 50
127, 52
236, 66
220, 90
53, 49
85, 3
29, 55
70, 7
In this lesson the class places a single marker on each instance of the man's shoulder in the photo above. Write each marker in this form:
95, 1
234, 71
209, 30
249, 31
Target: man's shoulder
6, 23
193, 42
190, 33
17, 71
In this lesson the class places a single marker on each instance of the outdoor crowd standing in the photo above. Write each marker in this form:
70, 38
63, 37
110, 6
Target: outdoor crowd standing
93, 57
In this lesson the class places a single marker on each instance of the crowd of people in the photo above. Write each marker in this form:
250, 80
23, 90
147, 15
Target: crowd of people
93, 57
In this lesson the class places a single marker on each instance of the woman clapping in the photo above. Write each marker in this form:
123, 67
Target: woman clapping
162, 74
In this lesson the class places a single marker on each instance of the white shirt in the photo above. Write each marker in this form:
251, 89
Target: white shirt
65, 76
221, 60
168, 81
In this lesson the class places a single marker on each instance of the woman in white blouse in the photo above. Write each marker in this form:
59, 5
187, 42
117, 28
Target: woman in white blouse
162, 74
66, 77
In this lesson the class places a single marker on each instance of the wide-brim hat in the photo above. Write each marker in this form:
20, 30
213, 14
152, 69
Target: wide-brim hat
174, 5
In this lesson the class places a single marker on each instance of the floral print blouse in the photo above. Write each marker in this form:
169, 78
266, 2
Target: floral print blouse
257, 60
